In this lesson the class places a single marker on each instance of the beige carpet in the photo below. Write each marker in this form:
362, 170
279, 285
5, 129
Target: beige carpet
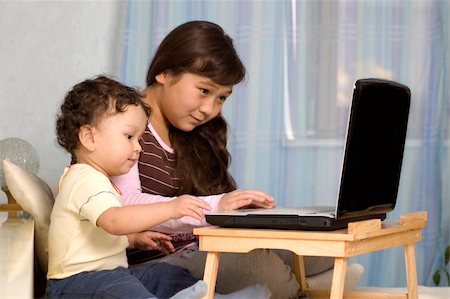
424, 292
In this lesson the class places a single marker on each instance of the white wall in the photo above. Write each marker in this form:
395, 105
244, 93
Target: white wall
45, 48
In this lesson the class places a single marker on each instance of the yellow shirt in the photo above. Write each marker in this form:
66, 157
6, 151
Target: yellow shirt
76, 244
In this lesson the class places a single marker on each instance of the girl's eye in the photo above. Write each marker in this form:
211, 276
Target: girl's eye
204, 90
222, 99
130, 137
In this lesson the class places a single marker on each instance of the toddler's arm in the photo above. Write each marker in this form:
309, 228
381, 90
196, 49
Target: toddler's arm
130, 219
130, 186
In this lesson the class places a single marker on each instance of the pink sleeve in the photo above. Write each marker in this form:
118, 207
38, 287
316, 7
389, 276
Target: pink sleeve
129, 185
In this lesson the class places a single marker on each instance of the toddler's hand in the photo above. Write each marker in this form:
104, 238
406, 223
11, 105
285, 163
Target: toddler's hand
188, 205
150, 240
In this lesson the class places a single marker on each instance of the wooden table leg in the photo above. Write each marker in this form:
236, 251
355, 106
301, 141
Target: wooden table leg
210, 275
411, 274
337, 286
299, 271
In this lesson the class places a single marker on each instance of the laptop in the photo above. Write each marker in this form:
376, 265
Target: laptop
374, 145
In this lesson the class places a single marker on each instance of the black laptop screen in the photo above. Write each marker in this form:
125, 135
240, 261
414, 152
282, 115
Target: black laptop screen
375, 142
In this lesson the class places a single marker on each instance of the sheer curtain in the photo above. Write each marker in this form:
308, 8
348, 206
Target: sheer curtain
288, 119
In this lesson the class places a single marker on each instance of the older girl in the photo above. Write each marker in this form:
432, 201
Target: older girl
189, 79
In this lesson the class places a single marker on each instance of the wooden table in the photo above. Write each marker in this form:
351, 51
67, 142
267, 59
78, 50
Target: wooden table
360, 237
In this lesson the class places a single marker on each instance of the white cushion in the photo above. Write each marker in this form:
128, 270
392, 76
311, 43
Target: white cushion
36, 198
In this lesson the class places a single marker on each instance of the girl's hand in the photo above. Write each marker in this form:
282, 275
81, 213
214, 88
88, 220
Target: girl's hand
188, 205
150, 240
245, 198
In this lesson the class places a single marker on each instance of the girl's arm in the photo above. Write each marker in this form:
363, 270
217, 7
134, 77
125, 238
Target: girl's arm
130, 186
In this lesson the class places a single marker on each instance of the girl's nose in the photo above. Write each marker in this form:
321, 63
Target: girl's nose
207, 106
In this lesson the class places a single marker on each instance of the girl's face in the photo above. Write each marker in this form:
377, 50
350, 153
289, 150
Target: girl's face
116, 138
190, 100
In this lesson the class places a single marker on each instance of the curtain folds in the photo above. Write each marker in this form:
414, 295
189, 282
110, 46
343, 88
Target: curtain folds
288, 119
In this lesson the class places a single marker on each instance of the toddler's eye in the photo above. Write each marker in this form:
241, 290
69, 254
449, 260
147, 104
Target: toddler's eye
204, 90
222, 99
129, 137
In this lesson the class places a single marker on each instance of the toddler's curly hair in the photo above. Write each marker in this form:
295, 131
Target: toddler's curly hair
88, 102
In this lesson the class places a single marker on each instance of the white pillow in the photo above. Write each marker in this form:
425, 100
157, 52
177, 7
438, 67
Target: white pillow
36, 198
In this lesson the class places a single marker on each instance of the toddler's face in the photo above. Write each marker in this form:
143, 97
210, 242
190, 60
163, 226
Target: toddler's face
117, 145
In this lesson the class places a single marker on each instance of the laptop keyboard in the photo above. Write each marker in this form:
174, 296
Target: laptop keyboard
316, 209
295, 211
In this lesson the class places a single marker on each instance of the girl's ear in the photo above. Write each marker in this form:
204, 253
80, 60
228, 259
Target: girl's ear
162, 78
86, 137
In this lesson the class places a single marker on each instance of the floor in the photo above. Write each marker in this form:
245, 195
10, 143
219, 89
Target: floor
425, 292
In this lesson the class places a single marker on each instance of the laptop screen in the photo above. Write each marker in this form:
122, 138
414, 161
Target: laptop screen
374, 147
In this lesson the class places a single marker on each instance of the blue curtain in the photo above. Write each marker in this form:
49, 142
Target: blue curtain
288, 119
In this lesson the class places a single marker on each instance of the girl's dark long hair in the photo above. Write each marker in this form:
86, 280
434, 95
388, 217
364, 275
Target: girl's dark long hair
202, 158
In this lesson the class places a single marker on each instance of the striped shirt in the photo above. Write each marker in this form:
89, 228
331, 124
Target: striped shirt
157, 166
156, 172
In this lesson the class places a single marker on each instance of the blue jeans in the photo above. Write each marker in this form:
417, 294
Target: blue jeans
159, 280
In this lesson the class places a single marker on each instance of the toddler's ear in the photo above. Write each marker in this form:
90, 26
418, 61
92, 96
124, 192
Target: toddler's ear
86, 137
